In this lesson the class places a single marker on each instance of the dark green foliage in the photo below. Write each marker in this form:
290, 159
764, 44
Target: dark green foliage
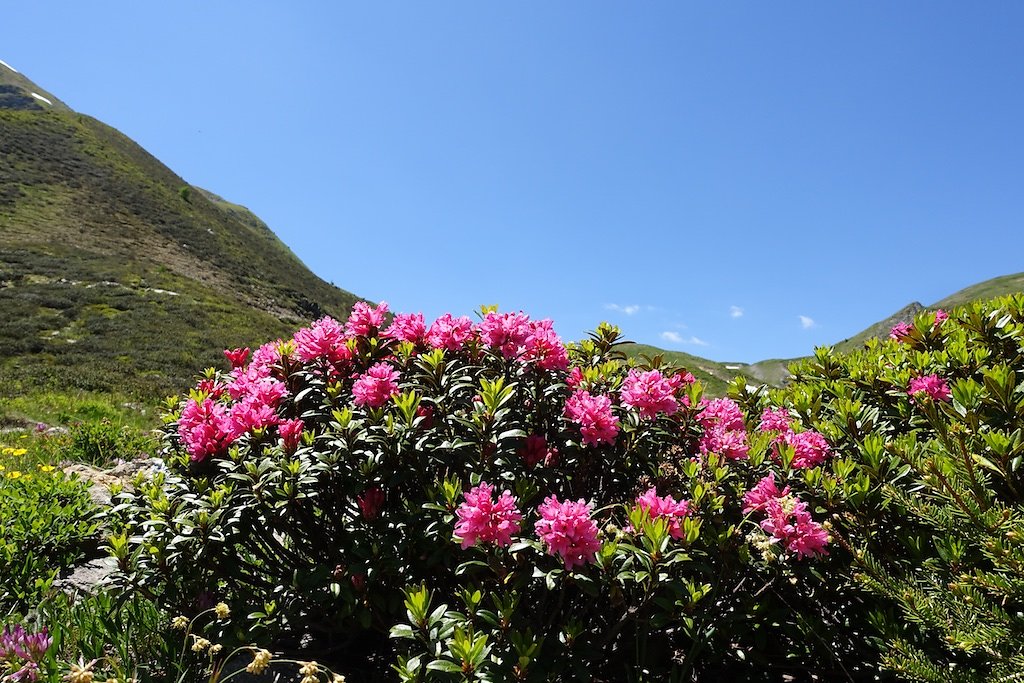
931, 507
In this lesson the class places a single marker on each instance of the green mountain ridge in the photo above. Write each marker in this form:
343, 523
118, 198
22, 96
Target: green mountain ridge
775, 371
116, 274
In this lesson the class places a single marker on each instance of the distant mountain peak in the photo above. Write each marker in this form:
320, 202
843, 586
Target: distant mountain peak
18, 92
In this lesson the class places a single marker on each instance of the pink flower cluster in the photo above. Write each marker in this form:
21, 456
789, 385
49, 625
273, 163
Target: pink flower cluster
407, 327
376, 386
370, 502
365, 320
205, 428
786, 519
516, 336
667, 508
535, 451
810, 448
594, 416
724, 431
450, 333
568, 531
931, 386
486, 519
900, 331
324, 339
650, 393
23, 652
290, 432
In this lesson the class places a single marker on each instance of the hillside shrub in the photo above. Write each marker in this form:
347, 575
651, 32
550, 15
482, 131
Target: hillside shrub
48, 524
503, 506
931, 511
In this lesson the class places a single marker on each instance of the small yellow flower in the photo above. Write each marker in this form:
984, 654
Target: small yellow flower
338, 678
309, 670
215, 649
19, 451
200, 643
14, 474
46, 468
2, 468
222, 610
80, 672
260, 660
180, 622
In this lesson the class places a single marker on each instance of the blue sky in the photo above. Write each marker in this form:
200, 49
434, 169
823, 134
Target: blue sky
736, 180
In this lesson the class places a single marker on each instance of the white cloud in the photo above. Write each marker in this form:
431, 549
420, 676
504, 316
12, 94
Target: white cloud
629, 309
735, 312
807, 322
677, 338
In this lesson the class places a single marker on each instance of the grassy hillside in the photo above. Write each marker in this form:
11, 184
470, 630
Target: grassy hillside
116, 275
989, 289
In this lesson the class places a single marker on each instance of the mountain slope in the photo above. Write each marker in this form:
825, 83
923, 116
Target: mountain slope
115, 273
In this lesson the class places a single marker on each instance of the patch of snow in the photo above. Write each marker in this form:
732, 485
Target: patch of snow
40, 97
163, 291
8, 66
733, 367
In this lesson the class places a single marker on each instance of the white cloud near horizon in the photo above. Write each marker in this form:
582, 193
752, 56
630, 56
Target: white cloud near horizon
677, 338
629, 309
735, 312
807, 322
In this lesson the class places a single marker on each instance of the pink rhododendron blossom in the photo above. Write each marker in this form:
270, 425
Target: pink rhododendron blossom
211, 388
290, 432
775, 420
729, 443
723, 413
364, 319
544, 348
594, 416
450, 333
324, 339
940, 317
788, 521
810, 449
765, 490
900, 331
482, 518
237, 357
506, 332
370, 502
932, 386
536, 451
205, 429
252, 413
568, 531
407, 327
650, 393
575, 378
667, 508
376, 387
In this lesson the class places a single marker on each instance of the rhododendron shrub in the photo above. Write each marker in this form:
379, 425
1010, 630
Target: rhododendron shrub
919, 479
580, 509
